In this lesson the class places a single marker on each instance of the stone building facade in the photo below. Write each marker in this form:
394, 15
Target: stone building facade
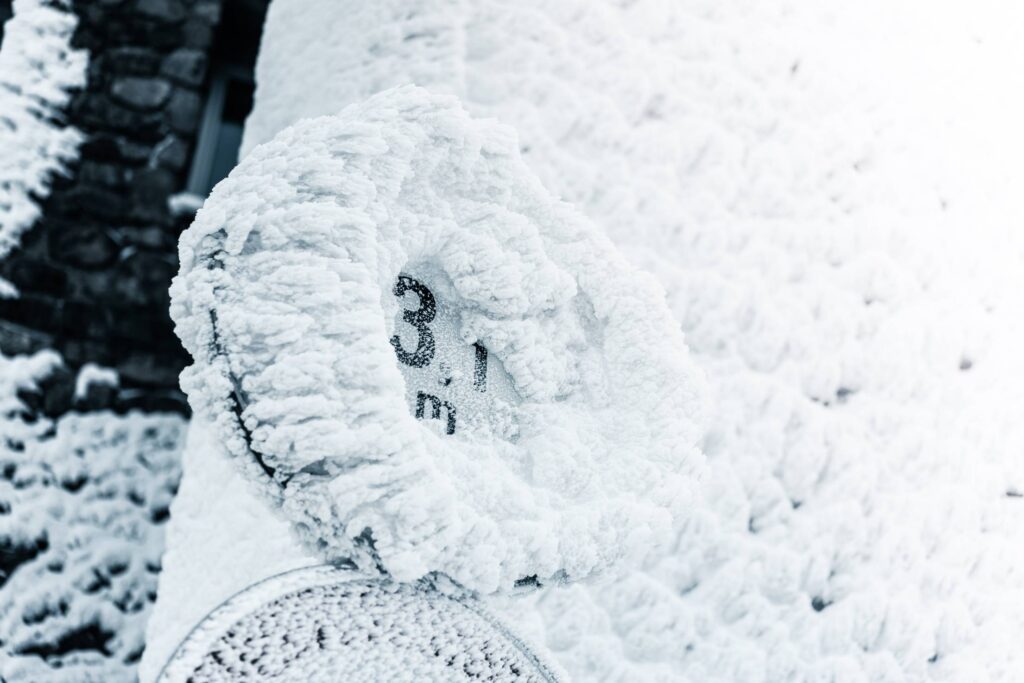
87, 477
93, 272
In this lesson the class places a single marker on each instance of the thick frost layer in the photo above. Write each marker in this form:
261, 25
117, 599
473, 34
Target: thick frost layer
323, 624
829, 219
286, 300
38, 68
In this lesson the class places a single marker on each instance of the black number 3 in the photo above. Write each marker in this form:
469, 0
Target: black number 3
419, 319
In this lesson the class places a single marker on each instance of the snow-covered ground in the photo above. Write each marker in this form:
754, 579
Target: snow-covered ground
83, 502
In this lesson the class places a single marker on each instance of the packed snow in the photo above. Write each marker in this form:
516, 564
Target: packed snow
824, 190
287, 301
38, 70
83, 501
334, 624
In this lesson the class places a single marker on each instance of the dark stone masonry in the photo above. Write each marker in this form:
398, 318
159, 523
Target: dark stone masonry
85, 494
93, 272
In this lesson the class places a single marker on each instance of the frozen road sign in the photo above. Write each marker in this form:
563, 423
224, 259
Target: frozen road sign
453, 384
427, 362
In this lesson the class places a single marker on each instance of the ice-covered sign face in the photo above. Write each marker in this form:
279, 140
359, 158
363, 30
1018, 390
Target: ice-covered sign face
455, 386
329, 625
426, 361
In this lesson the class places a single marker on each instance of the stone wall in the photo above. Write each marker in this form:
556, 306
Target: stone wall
93, 273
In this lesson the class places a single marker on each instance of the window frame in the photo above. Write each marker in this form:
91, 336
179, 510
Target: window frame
209, 126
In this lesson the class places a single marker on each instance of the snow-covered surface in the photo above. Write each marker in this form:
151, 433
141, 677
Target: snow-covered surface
184, 203
223, 539
285, 301
82, 504
38, 69
825, 190
334, 624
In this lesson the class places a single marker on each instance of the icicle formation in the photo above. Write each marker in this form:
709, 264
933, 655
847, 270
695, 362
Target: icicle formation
37, 70
286, 300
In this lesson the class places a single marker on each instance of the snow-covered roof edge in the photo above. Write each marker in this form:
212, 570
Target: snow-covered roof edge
38, 71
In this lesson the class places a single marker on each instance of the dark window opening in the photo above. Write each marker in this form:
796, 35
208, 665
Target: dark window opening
228, 102
6, 12
229, 97
237, 105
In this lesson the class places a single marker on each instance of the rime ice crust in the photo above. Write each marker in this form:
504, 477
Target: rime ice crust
327, 624
284, 301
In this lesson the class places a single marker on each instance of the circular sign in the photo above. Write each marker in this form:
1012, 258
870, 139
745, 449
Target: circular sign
328, 625
429, 363
461, 385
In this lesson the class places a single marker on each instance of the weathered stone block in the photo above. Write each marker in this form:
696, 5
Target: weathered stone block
186, 66
207, 10
102, 148
110, 175
30, 275
92, 200
171, 152
142, 126
183, 110
93, 285
150, 237
143, 278
89, 109
17, 339
78, 352
131, 61
83, 247
146, 369
98, 396
141, 93
197, 33
150, 189
37, 312
86, 320
130, 150
169, 11
33, 241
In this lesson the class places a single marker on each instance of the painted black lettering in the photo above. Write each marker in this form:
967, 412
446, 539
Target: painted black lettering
480, 368
435, 409
420, 319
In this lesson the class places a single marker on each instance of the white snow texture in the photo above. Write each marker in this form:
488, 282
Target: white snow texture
834, 226
83, 500
330, 624
38, 68
284, 300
